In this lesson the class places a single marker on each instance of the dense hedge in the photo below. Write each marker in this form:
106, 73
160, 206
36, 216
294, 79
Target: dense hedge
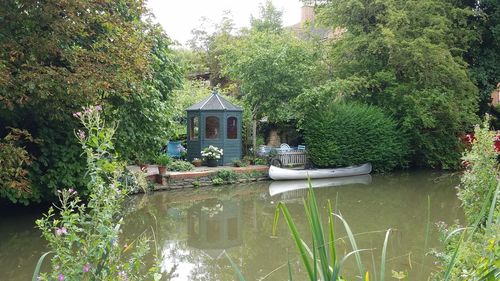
342, 134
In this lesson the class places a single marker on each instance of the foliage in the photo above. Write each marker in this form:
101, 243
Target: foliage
407, 58
271, 69
14, 160
59, 56
145, 117
85, 239
217, 181
207, 47
321, 260
226, 175
269, 20
480, 177
212, 152
239, 163
180, 166
344, 134
473, 252
163, 159
190, 93
483, 55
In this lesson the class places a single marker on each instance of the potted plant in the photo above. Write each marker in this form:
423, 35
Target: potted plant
163, 160
196, 162
140, 160
212, 154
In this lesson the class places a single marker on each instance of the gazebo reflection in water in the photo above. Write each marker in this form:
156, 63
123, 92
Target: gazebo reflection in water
215, 226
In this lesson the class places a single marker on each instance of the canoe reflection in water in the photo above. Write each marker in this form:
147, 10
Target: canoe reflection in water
300, 186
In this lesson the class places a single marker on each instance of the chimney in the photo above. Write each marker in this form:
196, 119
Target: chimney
307, 14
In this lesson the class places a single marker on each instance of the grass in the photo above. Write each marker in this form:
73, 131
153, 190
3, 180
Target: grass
320, 259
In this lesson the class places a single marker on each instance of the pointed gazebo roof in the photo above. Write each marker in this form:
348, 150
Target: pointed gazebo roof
214, 102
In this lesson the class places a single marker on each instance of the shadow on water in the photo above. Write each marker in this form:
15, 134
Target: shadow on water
195, 228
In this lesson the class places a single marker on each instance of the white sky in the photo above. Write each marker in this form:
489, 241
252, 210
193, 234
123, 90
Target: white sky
178, 18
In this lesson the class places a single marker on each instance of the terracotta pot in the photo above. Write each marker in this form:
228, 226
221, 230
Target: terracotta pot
162, 170
212, 163
196, 163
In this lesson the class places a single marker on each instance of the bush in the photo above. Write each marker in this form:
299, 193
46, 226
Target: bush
343, 134
473, 252
239, 163
180, 166
227, 175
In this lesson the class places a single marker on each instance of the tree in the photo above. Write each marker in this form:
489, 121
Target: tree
59, 56
208, 47
406, 57
484, 53
271, 70
269, 20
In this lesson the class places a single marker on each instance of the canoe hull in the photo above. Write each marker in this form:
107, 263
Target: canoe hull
276, 173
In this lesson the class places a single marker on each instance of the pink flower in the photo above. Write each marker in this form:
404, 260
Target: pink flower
86, 268
81, 134
98, 107
60, 277
61, 231
77, 114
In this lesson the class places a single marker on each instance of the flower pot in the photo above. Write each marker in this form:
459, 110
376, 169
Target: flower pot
197, 163
212, 163
162, 170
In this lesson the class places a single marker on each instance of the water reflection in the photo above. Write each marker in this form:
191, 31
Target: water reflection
288, 187
215, 226
195, 229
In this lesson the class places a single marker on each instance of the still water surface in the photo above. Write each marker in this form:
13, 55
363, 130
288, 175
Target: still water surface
196, 229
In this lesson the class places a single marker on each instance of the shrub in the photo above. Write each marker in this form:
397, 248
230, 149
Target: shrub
217, 181
227, 175
343, 134
239, 163
180, 166
473, 252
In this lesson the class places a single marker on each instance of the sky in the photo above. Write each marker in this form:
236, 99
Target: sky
178, 18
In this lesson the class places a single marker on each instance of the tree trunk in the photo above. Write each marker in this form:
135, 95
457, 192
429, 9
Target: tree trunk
254, 135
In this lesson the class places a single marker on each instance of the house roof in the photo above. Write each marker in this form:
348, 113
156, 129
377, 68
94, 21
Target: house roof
214, 102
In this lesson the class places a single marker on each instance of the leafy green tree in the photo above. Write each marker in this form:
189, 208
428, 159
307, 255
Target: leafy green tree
145, 118
484, 53
407, 58
208, 46
269, 20
59, 56
271, 69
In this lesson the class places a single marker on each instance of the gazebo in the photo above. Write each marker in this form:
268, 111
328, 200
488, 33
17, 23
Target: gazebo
214, 121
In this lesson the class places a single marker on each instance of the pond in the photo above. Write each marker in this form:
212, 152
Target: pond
196, 229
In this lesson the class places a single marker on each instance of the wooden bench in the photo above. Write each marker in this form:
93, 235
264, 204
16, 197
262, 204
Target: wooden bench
292, 158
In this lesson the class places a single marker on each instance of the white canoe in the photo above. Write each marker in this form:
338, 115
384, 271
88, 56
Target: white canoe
277, 187
276, 173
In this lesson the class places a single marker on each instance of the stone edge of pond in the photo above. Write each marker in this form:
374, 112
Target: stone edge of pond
202, 177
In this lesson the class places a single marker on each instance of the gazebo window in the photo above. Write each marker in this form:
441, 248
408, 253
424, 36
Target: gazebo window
232, 129
194, 128
212, 127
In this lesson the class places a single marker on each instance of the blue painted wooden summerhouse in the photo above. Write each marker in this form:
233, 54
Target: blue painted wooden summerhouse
214, 121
